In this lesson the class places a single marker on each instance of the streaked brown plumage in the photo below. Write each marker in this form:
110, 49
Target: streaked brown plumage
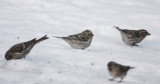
132, 37
117, 70
21, 50
80, 40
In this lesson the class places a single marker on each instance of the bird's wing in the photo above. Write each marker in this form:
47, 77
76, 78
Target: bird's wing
17, 48
78, 37
18, 55
132, 33
123, 69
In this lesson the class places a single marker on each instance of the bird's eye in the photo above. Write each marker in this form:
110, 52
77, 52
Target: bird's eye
144, 30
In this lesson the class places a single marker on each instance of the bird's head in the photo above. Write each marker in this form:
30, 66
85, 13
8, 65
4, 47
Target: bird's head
144, 32
110, 64
88, 33
8, 56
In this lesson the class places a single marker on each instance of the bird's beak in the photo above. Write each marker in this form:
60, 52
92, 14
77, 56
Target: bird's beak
149, 34
91, 34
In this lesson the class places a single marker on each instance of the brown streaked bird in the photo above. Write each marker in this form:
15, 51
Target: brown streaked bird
132, 37
21, 50
117, 70
79, 41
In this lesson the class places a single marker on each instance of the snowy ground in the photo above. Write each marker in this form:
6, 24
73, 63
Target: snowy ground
54, 62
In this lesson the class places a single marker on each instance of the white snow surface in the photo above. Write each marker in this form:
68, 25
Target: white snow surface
54, 62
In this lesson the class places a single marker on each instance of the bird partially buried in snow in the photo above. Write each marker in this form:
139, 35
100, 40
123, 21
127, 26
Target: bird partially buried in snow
132, 37
21, 50
117, 70
79, 41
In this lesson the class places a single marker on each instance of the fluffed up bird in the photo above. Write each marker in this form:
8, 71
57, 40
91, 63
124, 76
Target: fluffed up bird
21, 50
132, 37
117, 70
79, 41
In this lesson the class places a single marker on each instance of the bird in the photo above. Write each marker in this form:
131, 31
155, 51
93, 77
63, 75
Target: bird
20, 50
79, 41
117, 70
132, 37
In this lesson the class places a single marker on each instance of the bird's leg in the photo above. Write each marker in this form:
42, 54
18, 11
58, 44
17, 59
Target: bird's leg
120, 80
134, 44
88, 50
82, 48
112, 79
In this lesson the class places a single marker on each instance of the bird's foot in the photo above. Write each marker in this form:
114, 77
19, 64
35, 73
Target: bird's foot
119, 81
111, 79
88, 50
135, 45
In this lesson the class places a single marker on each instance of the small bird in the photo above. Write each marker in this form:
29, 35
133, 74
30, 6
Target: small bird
21, 50
117, 70
79, 41
132, 37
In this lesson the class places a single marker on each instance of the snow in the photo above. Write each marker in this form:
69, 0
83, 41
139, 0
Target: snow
54, 62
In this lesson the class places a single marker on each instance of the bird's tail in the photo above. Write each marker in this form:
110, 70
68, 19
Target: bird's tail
131, 67
118, 28
57, 37
42, 39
